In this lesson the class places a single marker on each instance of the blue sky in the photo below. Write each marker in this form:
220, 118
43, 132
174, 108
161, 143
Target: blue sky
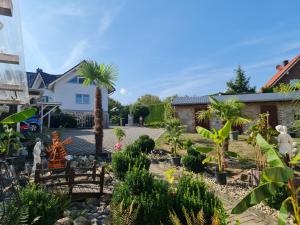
163, 47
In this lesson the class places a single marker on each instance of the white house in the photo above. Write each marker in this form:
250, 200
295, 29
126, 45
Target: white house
67, 89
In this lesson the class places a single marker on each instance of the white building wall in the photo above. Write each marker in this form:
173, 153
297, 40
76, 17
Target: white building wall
65, 93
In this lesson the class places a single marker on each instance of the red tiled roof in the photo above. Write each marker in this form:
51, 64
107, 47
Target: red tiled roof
282, 71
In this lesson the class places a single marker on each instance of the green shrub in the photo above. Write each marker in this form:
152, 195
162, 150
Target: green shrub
149, 194
133, 150
194, 196
156, 113
36, 203
145, 143
123, 161
193, 161
274, 201
63, 120
155, 124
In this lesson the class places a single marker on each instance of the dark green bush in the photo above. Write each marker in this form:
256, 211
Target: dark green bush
145, 143
123, 161
133, 150
155, 124
36, 203
149, 194
63, 120
194, 196
193, 161
274, 201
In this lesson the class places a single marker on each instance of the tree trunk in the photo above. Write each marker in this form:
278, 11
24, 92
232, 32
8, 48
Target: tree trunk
98, 121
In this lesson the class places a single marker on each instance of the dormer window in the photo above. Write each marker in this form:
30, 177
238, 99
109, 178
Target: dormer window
76, 80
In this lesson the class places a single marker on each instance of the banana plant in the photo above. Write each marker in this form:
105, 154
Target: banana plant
273, 177
9, 138
218, 137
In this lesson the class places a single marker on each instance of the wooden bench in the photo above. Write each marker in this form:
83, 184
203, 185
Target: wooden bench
78, 184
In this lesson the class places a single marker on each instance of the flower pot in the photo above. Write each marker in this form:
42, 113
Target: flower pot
176, 160
221, 178
234, 135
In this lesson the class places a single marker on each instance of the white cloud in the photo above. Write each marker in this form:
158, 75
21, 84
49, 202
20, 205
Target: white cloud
76, 54
105, 22
123, 91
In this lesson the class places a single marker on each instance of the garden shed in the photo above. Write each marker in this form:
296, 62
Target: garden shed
282, 108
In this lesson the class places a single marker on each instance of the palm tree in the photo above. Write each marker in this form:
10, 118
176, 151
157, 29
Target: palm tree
228, 110
102, 76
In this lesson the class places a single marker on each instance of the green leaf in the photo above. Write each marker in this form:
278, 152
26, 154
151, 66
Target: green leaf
19, 117
231, 154
277, 174
224, 132
203, 150
273, 158
256, 196
283, 212
295, 159
208, 159
205, 133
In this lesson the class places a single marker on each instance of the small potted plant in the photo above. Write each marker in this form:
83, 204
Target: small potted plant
174, 130
218, 137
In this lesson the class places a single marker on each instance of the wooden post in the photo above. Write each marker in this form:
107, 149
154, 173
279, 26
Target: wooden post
71, 181
37, 173
94, 170
102, 173
67, 170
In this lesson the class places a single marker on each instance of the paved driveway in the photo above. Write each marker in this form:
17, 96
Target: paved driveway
84, 143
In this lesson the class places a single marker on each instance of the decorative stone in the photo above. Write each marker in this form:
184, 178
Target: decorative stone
94, 221
91, 158
67, 213
64, 221
81, 221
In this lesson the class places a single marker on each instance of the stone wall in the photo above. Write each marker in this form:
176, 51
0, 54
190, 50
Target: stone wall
286, 114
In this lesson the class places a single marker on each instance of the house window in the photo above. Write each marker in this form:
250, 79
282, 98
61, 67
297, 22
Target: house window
45, 99
80, 80
73, 80
82, 99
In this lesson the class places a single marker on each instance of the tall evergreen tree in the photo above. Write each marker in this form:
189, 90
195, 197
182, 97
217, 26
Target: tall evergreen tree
240, 85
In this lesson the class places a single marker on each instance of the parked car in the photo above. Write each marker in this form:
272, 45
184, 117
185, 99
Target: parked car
32, 124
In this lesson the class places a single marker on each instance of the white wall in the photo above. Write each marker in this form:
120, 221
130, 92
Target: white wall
65, 93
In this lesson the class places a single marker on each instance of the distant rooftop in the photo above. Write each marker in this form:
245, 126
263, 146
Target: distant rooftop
246, 98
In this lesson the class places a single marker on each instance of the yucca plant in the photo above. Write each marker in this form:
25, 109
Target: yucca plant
124, 216
192, 219
275, 176
174, 131
119, 133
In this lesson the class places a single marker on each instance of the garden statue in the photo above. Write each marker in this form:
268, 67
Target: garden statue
57, 152
285, 141
37, 150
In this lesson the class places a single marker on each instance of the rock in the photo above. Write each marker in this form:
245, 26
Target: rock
94, 221
64, 221
67, 213
81, 221
244, 177
74, 164
92, 201
91, 158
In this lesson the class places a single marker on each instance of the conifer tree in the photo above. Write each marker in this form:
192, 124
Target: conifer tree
240, 85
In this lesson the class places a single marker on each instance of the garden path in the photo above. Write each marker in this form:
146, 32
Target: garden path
84, 139
250, 217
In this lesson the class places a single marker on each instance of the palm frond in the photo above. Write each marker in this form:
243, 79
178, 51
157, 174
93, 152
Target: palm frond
102, 75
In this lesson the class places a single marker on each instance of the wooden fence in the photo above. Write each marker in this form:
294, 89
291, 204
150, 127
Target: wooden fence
79, 185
